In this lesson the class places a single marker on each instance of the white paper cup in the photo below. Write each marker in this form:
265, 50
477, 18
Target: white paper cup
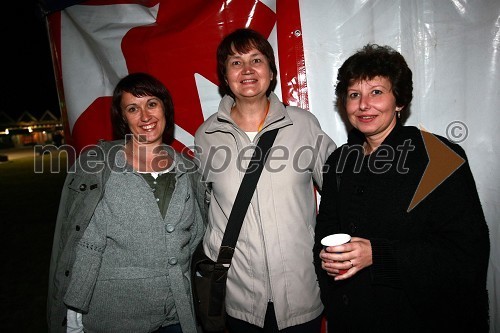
334, 240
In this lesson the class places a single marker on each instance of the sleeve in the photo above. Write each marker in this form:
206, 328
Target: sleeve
324, 147
70, 200
326, 221
200, 190
197, 232
201, 208
448, 259
89, 253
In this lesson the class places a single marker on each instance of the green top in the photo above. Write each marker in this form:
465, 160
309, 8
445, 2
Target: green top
163, 187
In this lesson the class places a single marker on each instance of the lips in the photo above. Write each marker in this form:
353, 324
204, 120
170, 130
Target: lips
149, 127
366, 118
248, 81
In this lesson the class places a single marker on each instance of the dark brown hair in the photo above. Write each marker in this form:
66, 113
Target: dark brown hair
371, 61
242, 41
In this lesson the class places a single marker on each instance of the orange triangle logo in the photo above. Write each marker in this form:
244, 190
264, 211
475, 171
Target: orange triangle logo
443, 162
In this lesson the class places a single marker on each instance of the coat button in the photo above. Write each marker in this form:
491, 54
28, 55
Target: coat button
77, 228
83, 187
360, 190
66, 273
352, 227
172, 261
169, 227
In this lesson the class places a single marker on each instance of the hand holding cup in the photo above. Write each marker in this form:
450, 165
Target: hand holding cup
334, 240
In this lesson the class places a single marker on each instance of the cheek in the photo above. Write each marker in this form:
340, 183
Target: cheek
351, 107
128, 118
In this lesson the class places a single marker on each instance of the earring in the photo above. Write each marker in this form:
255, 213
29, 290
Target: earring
398, 112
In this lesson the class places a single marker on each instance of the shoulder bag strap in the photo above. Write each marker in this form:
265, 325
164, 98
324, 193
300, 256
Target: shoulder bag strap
245, 193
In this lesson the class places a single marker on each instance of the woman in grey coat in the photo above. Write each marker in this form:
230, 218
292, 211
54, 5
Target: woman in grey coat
128, 223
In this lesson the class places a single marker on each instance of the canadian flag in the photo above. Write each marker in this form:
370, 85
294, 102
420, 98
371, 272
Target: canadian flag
451, 46
96, 43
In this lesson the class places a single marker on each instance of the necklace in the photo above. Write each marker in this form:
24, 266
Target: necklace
263, 119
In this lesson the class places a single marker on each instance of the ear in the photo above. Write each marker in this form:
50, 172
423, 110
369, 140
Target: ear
399, 108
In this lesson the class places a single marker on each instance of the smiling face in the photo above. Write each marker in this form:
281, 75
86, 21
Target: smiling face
248, 74
371, 107
145, 117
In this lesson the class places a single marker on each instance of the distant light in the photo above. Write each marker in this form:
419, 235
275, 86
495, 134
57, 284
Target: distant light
7, 131
30, 129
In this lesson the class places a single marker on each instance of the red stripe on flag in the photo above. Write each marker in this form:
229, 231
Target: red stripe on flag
291, 54
292, 62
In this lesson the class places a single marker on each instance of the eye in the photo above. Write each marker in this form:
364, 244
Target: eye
257, 61
377, 92
235, 63
131, 109
152, 104
353, 95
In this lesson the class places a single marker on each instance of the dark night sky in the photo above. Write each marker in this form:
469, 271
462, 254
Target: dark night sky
27, 78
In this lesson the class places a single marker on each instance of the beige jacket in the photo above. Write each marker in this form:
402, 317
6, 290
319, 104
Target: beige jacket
273, 260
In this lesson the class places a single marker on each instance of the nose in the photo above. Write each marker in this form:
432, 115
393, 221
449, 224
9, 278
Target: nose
145, 116
247, 69
363, 103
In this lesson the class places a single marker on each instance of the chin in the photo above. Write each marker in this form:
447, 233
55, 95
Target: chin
146, 137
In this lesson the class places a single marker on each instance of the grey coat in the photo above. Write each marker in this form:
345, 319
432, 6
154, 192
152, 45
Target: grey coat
164, 271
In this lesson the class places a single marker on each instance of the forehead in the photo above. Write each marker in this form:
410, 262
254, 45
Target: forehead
377, 81
238, 53
129, 98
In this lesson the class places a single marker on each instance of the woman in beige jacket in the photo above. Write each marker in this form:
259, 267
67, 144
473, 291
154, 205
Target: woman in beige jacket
271, 283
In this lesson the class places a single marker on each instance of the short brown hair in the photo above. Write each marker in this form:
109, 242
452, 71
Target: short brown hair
376, 60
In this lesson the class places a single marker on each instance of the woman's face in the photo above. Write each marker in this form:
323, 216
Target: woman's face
145, 117
248, 75
371, 107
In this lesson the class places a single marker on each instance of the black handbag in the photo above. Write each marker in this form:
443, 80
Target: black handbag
209, 278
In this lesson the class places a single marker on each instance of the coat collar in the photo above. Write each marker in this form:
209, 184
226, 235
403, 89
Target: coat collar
277, 116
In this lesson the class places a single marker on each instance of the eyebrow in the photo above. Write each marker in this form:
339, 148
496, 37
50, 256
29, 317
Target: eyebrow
239, 55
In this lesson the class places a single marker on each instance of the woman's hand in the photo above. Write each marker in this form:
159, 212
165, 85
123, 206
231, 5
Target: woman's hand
344, 261
74, 322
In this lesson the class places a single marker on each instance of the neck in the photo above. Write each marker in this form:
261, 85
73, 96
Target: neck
250, 117
147, 157
368, 148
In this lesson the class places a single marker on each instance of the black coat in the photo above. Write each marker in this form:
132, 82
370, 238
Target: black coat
429, 263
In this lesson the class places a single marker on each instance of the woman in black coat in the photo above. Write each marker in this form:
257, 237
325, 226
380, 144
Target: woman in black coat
418, 257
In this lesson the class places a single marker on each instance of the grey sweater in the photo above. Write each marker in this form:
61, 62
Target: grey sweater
131, 266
